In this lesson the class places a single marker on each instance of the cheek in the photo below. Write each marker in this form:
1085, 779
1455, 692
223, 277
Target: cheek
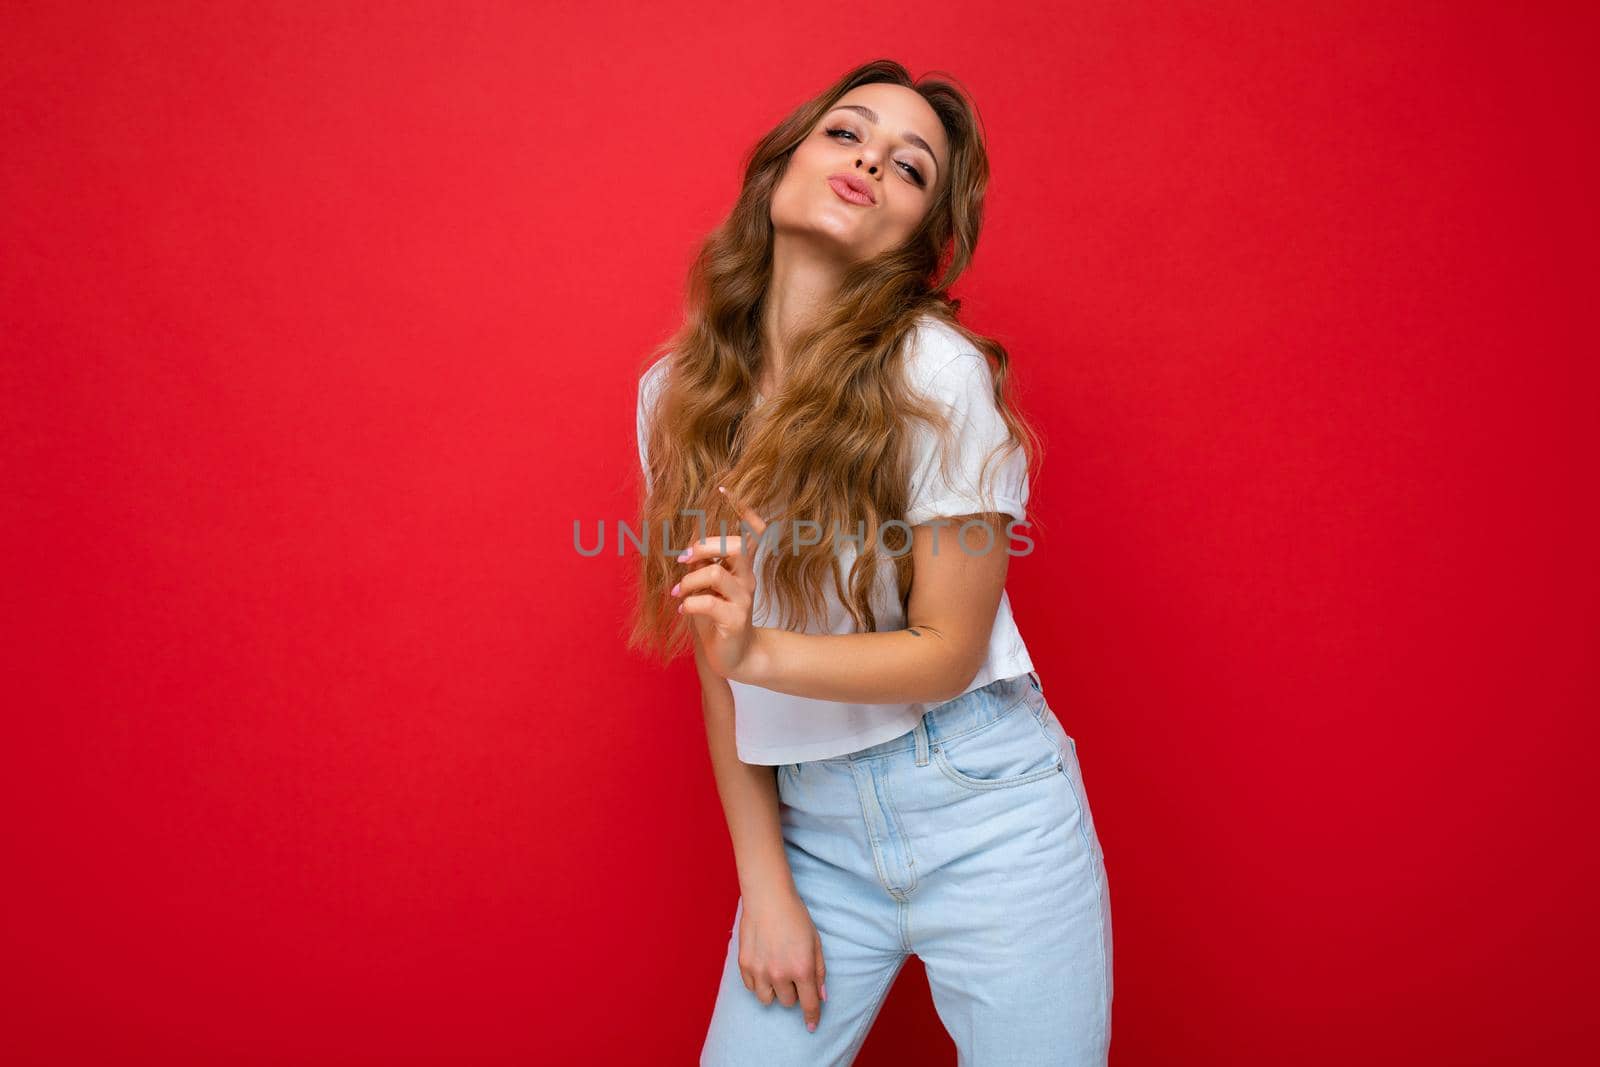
804, 169
808, 155
908, 211
791, 190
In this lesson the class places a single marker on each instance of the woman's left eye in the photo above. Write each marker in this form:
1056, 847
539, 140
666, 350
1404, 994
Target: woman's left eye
916, 175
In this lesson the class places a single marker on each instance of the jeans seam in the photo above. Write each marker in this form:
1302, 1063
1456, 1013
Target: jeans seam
1096, 862
986, 785
980, 784
878, 997
900, 831
872, 834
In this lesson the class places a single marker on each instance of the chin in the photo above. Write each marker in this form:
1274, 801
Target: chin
844, 245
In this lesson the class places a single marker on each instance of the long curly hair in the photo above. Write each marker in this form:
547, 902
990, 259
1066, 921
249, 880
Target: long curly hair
831, 446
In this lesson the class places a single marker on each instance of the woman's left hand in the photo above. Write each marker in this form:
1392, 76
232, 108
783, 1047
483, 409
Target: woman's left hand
721, 596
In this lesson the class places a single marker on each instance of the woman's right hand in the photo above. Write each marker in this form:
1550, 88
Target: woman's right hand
720, 600
780, 953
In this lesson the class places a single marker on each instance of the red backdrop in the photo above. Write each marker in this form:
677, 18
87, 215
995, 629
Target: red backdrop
322, 324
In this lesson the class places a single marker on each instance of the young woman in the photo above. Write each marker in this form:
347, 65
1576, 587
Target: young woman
839, 455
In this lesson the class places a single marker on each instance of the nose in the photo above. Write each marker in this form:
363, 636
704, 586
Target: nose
870, 161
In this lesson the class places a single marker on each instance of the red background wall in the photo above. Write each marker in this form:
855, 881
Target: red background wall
321, 326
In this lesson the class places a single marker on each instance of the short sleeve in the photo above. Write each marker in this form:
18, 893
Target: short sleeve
649, 389
964, 390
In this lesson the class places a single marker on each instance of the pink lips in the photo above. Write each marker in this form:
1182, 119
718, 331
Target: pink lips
852, 189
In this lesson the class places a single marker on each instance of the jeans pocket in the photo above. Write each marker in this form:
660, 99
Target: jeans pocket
1010, 751
1068, 746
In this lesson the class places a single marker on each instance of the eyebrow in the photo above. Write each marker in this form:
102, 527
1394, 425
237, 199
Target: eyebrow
911, 137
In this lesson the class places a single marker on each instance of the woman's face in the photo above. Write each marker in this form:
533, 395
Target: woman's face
891, 143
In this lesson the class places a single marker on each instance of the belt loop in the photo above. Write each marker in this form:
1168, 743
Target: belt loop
921, 733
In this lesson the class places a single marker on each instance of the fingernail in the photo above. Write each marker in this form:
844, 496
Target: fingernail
812, 1027
720, 489
675, 588
824, 990
685, 557
680, 607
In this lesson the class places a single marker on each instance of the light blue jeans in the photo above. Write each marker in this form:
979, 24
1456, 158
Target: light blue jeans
968, 841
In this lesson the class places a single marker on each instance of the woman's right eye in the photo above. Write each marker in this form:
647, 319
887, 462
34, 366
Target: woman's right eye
838, 130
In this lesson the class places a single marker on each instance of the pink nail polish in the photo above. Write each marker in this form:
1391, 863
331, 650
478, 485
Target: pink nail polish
676, 588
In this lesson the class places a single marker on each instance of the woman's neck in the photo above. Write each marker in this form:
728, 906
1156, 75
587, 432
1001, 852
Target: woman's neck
804, 281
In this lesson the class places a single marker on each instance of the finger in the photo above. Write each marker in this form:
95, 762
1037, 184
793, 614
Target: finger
710, 548
822, 969
810, 1003
751, 519
787, 994
703, 578
699, 565
725, 613
708, 579
727, 549
744, 565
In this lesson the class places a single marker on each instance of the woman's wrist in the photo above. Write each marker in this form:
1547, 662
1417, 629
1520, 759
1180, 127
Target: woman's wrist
756, 666
768, 883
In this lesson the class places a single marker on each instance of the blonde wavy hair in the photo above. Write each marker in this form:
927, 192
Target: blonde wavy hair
832, 445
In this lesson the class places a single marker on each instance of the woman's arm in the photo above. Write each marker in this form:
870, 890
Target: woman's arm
780, 951
749, 793
954, 597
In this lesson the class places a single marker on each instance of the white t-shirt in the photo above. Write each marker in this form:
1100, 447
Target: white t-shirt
772, 727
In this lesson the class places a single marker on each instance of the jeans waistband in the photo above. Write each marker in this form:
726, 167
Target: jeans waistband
972, 709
